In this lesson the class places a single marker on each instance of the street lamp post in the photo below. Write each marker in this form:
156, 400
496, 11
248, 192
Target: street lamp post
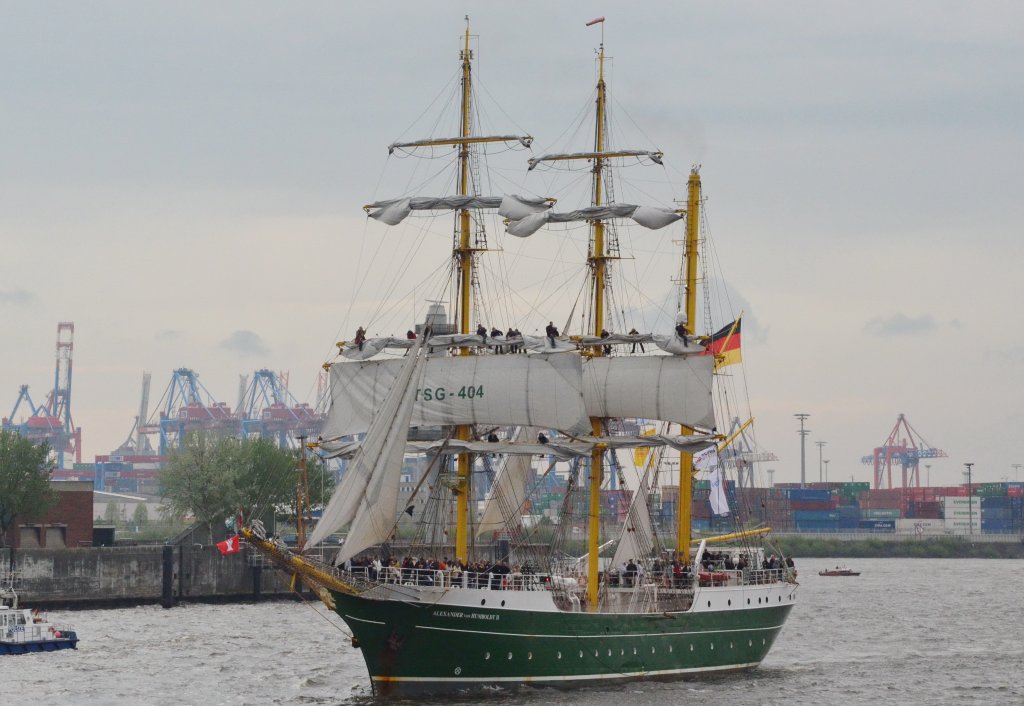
802, 416
970, 501
826, 470
821, 445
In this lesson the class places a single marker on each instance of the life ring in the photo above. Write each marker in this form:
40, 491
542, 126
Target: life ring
56, 633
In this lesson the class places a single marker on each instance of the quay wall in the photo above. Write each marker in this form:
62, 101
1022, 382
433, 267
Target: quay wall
140, 574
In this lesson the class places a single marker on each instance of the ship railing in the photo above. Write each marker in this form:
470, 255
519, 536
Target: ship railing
446, 578
763, 576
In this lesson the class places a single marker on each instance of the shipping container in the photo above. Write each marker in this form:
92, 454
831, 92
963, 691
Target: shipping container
920, 526
880, 514
878, 525
813, 504
991, 490
815, 516
809, 494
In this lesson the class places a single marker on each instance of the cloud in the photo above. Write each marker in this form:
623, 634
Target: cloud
900, 325
16, 297
245, 343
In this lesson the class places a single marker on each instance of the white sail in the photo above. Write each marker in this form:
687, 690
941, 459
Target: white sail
501, 507
648, 216
637, 538
515, 390
366, 497
669, 388
394, 211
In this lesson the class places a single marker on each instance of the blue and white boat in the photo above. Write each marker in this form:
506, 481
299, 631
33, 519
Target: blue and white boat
26, 630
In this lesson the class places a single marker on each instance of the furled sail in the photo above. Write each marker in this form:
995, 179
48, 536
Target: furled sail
558, 447
542, 391
647, 216
394, 211
669, 388
504, 500
367, 497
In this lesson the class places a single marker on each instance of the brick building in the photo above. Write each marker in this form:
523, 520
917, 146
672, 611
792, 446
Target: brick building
67, 524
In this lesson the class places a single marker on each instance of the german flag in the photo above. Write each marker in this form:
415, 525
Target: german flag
724, 344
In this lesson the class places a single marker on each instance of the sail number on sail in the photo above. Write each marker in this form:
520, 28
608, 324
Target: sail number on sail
466, 392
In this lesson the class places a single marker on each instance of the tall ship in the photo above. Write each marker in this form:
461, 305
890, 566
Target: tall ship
495, 512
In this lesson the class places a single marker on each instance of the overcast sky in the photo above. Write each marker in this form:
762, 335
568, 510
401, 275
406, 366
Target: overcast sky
184, 182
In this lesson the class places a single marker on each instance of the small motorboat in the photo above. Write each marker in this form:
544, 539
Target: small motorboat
26, 630
838, 571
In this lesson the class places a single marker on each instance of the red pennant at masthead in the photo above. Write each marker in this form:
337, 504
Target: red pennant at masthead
229, 545
595, 21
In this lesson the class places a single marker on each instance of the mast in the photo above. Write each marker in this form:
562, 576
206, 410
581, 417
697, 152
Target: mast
464, 256
301, 497
597, 267
686, 459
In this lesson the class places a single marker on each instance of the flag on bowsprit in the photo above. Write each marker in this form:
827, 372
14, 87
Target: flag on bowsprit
724, 344
229, 545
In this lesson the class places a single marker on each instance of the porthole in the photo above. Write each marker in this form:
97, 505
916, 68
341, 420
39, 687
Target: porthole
730, 646
529, 655
670, 648
559, 655
596, 653
729, 602
748, 601
712, 645
780, 599
759, 601
458, 671
503, 604
709, 604
487, 655
609, 653
510, 655
483, 601
763, 642
691, 647
652, 649
634, 650
622, 653
581, 654
750, 643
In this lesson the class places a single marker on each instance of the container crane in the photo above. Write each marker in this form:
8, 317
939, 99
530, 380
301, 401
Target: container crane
187, 406
51, 422
268, 410
904, 447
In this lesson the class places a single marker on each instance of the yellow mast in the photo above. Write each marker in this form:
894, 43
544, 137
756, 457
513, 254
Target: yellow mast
301, 498
597, 266
464, 255
686, 459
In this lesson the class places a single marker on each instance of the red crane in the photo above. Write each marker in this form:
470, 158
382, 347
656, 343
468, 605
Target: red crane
904, 447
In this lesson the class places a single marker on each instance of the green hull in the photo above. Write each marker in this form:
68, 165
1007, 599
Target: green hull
415, 648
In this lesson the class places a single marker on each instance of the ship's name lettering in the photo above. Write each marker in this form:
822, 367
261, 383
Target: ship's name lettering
437, 394
460, 614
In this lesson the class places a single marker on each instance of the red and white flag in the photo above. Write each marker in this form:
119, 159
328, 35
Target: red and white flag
229, 545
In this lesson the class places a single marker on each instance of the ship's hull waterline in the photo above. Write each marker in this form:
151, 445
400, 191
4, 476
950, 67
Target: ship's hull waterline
419, 648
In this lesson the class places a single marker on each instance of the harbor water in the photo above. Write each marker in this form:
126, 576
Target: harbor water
906, 631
